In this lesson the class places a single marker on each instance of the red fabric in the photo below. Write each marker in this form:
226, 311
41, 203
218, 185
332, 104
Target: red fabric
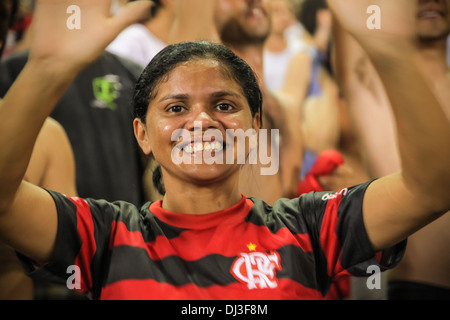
325, 164
86, 229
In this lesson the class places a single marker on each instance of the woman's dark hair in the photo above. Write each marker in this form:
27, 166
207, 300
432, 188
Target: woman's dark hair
172, 56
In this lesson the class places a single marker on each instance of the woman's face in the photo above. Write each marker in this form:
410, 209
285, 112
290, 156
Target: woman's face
202, 100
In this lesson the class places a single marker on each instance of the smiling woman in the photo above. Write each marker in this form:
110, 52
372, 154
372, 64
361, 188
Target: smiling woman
210, 88
204, 239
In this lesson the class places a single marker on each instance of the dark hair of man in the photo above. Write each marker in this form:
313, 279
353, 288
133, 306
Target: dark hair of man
308, 14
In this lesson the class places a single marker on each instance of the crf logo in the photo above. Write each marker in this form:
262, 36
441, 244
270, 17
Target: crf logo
257, 269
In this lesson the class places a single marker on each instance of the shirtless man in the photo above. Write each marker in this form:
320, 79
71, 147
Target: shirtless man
424, 272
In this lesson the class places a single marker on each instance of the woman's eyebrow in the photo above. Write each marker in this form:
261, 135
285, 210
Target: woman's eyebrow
175, 96
221, 94
185, 96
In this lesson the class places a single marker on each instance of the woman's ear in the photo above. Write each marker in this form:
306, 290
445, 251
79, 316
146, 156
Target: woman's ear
257, 122
140, 133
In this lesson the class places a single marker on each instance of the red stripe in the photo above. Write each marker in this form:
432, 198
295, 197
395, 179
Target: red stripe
210, 241
149, 289
85, 227
341, 287
120, 236
232, 215
328, 236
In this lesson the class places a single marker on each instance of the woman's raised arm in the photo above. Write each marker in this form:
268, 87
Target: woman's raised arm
65, 39
398, 205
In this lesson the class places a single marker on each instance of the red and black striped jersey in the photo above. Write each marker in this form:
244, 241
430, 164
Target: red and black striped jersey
296, 249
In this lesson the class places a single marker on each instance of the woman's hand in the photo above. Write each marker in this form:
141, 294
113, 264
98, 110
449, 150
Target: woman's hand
55, 39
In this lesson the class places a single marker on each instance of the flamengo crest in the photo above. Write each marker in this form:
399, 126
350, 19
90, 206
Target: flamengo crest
257, 269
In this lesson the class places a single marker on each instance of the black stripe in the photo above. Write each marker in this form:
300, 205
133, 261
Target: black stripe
351, 227
173, 270
358, 255
67, 216
298, 266
313, 209
287, 213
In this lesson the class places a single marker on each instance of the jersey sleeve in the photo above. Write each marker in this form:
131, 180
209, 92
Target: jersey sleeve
337, 231
82, 240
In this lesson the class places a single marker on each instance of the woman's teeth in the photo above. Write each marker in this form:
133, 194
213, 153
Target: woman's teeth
203, 146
